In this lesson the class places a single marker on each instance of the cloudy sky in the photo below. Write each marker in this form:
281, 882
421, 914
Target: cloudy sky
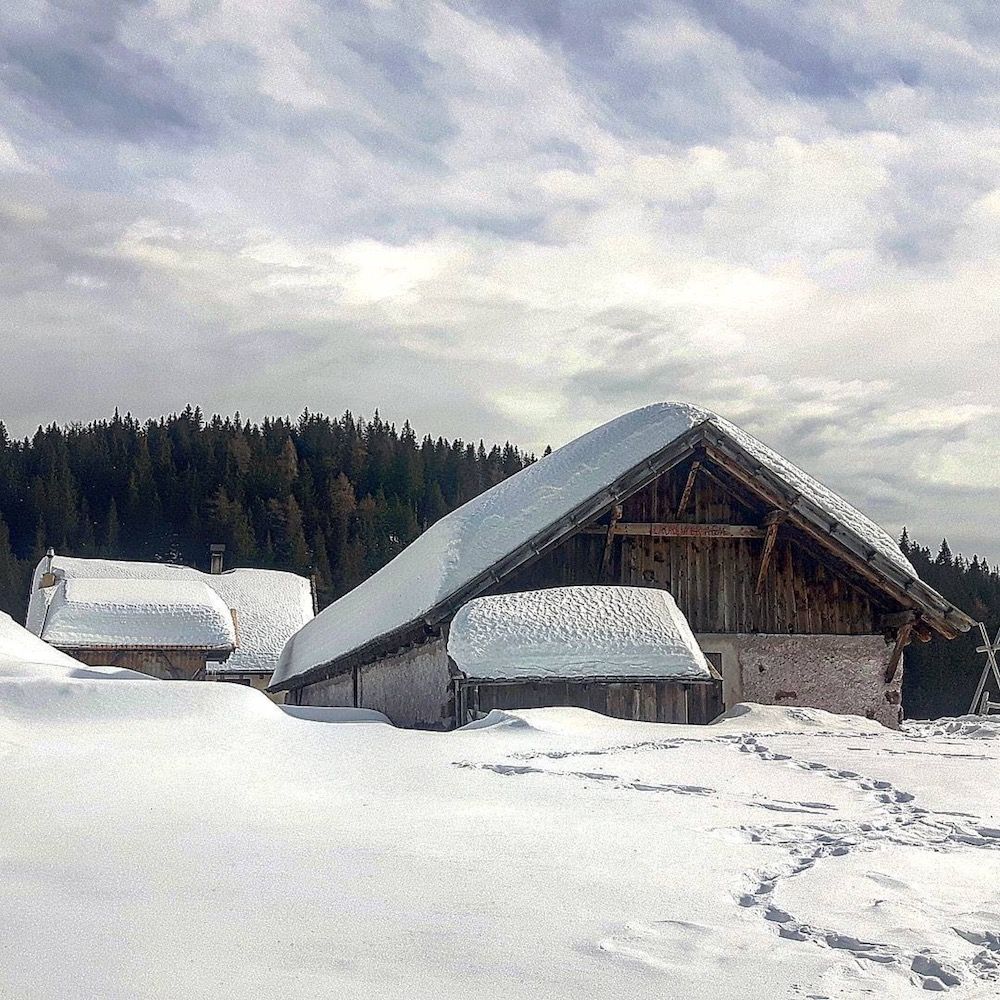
515, 219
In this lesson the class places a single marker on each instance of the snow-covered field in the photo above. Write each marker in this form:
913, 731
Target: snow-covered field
190, 840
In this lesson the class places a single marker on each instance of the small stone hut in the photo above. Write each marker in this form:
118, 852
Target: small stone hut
795, 596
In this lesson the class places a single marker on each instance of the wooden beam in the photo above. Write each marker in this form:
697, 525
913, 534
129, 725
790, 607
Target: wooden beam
897, 619
876, 580
616, 516
773, 523
679, 529
902, 641
943, 617
688, 488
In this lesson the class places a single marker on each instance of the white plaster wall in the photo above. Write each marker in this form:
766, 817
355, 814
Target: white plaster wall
410, 687
335, 692
838, 673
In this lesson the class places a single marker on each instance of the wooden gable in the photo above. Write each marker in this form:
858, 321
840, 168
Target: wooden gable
702, 535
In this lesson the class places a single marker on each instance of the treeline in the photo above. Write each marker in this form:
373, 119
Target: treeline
940, 677
337, 498
332, 497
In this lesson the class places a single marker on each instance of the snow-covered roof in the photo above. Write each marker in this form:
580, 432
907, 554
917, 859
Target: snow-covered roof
468, 543
115, 613
270, 605
575, 633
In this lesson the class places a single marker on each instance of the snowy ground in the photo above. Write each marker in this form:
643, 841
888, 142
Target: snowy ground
191, 840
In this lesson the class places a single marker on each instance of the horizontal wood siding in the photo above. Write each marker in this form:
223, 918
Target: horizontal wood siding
167, 664
650, 701
714, 580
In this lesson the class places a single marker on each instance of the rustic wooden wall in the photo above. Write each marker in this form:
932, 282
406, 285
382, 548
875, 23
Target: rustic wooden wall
173, 664
713, 580
650, 701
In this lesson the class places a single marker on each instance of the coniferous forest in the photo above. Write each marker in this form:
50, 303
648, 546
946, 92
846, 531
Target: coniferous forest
332, 497
337, 498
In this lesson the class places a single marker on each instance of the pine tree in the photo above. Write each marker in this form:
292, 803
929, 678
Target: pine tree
112, 531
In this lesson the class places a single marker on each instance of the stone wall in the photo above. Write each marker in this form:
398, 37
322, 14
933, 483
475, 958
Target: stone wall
838, 673
412, 687
335, 692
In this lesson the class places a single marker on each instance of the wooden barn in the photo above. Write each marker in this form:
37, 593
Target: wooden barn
795, 596
172, 622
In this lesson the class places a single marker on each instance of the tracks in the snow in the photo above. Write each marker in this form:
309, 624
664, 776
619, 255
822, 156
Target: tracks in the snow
901, 822
897, 820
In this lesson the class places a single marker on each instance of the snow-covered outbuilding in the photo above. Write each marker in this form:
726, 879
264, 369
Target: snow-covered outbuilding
621, 651
168, 621
796, 596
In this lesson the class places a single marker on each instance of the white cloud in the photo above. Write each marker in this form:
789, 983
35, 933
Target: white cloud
786, 212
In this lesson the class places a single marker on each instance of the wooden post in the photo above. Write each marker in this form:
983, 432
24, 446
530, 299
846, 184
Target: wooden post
902, 641
688, 487
773, 521
990, 649
616, 516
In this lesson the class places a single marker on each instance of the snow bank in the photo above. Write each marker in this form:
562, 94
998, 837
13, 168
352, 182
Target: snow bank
469, 541
23, 655
576, 632
752, 718
316, 713
193, 840
18, 645
969, 727
270, 605
86, 612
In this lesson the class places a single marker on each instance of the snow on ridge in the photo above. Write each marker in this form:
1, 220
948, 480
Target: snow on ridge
473, 538
576, 632
88, 612
862, 526
270, 605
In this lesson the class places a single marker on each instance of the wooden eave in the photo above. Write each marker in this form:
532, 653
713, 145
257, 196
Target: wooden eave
711, 441
214, 653
468, 681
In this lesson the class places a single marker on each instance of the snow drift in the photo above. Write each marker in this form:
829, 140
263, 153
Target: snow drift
195, 840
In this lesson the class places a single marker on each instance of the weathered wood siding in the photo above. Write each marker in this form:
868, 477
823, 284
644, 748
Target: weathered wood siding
650, 701
170, 664
713, 580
